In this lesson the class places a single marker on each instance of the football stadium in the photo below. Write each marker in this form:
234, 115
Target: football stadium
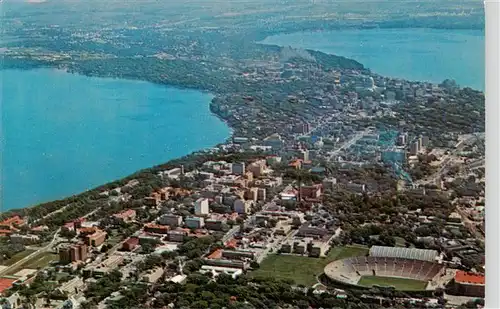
403, 269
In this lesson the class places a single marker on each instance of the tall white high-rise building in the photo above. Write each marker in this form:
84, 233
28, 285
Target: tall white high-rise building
201, 207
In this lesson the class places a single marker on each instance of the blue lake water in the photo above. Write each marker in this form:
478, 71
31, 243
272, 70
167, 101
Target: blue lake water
65, 133
414, 54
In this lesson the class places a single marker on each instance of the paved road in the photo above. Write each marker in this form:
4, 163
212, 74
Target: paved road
471, 167
55, 238
116, 247
445, 167
51, 214
347, 144
469, 224
275, 246
434, 177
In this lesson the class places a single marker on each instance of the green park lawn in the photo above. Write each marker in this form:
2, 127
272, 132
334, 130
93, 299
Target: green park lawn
17, 257
398, 283
302, 269
38, 261
41, 260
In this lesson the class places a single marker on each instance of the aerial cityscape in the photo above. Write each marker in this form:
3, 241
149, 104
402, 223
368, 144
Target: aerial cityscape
175, 154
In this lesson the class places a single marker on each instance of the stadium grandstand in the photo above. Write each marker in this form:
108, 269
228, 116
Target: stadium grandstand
404, 253
469, 284
404, 270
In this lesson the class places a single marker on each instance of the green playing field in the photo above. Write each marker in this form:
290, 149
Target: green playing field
303, 269
397, 283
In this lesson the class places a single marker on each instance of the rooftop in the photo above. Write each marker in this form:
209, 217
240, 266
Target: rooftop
97, 233
132, 241
408, 253
6, 283
12, 220
125, 214
467, 277
25, 272
156, 226
217, 254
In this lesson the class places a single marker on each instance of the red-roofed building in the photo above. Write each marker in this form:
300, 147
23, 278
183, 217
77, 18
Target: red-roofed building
96, 239
75, 224
87, 230
40, 229
297, 164
11, 223
310, 192
232, 243
6, 283
69, 226
156, 228
217, 254
78, 222
164, 193
290, 194
130, 244
125, 216
153, 200
5, 232
469, 284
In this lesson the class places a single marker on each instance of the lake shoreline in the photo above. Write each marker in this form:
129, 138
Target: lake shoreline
231, 129
415, 57
121, 118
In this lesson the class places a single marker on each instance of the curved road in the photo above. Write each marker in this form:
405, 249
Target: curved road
32, 255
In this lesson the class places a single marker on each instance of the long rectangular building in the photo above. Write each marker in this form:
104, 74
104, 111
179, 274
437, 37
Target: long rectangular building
469, 284
404, 253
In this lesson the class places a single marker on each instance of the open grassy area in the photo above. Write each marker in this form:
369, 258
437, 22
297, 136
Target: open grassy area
339, 253
38, 261
302, 269
398, 283
41, 260
114, 238
17, 257
400, 242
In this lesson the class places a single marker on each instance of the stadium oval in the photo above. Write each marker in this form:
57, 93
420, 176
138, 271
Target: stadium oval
403, 269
